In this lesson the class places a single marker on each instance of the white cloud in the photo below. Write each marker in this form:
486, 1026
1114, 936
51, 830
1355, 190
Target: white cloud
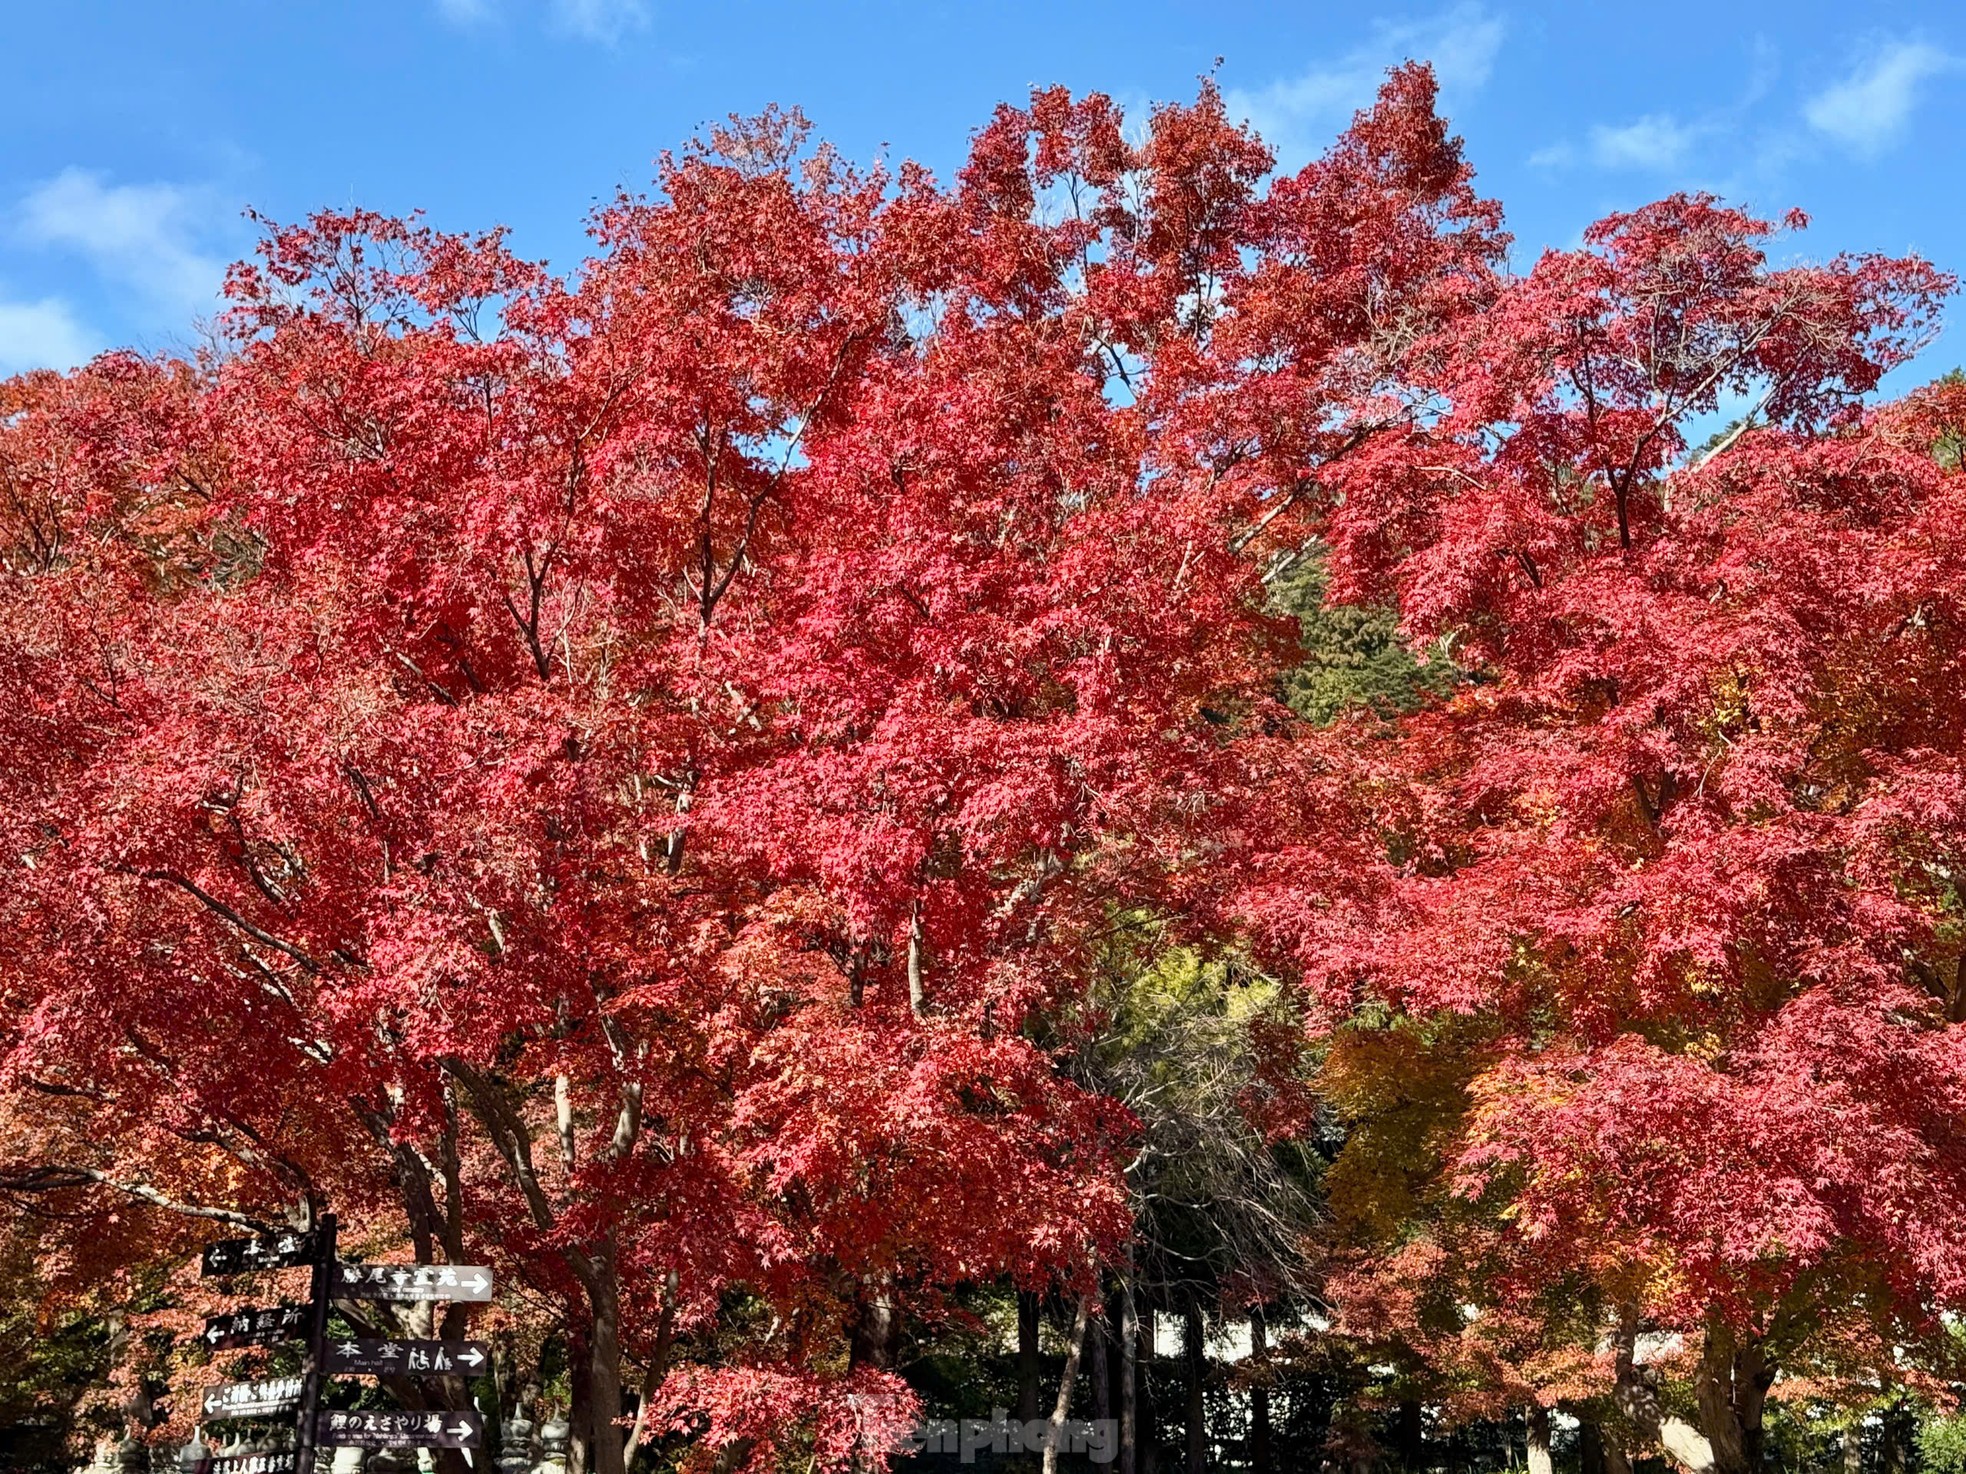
1295, 116
601, 20
41, 334
138, 235
1655, 141
605, 21
1868, 109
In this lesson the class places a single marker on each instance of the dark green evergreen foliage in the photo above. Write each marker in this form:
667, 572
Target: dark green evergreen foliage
46, 1370
1354, 658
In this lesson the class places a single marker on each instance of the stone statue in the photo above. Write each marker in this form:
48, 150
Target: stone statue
515, 1444
554, 1435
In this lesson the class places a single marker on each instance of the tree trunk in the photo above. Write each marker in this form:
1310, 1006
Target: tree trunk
1193, 1355
1732, 1385
1538, 1439
1590, 1447
1097, 1371
1853, 1446
1129, 1379
1259, 1394
1027, 1357
875, 1337
580, 1410
604, 1381
1410, 1437
1054, 1433
917, 996
1637, 1395
1896, 1435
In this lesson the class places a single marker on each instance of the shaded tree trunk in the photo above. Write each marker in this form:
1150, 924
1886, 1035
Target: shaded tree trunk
875, 1337
1895, 1439
1409, 1436
1195, 1364
1098, 1372
1637, 1395
1259, 1395
1129, 1360
1027, 1356
1590, 1447
609, 1439
580, 1408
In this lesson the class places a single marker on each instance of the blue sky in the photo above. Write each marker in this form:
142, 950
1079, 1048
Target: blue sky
136, 133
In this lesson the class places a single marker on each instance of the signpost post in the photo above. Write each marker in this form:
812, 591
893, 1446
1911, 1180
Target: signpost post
317, 1349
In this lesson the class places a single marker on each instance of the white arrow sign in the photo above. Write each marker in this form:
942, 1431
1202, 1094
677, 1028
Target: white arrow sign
413, 1282
408, 1358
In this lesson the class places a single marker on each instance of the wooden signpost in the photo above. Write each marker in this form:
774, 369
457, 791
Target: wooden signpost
301, 1396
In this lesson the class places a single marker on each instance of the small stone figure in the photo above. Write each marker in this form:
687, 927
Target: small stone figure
515, 1446
554, 1435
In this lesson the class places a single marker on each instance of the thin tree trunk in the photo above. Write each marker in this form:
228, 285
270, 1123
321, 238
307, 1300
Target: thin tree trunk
1896, 1431
1097, 1370
1027, 1356
658, 1370
1537, 1439
1637, 1397
580, 1410
917, 996
1259, 1394
1590, 1447
1054, 1433
1193, 1355
1129, 1379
